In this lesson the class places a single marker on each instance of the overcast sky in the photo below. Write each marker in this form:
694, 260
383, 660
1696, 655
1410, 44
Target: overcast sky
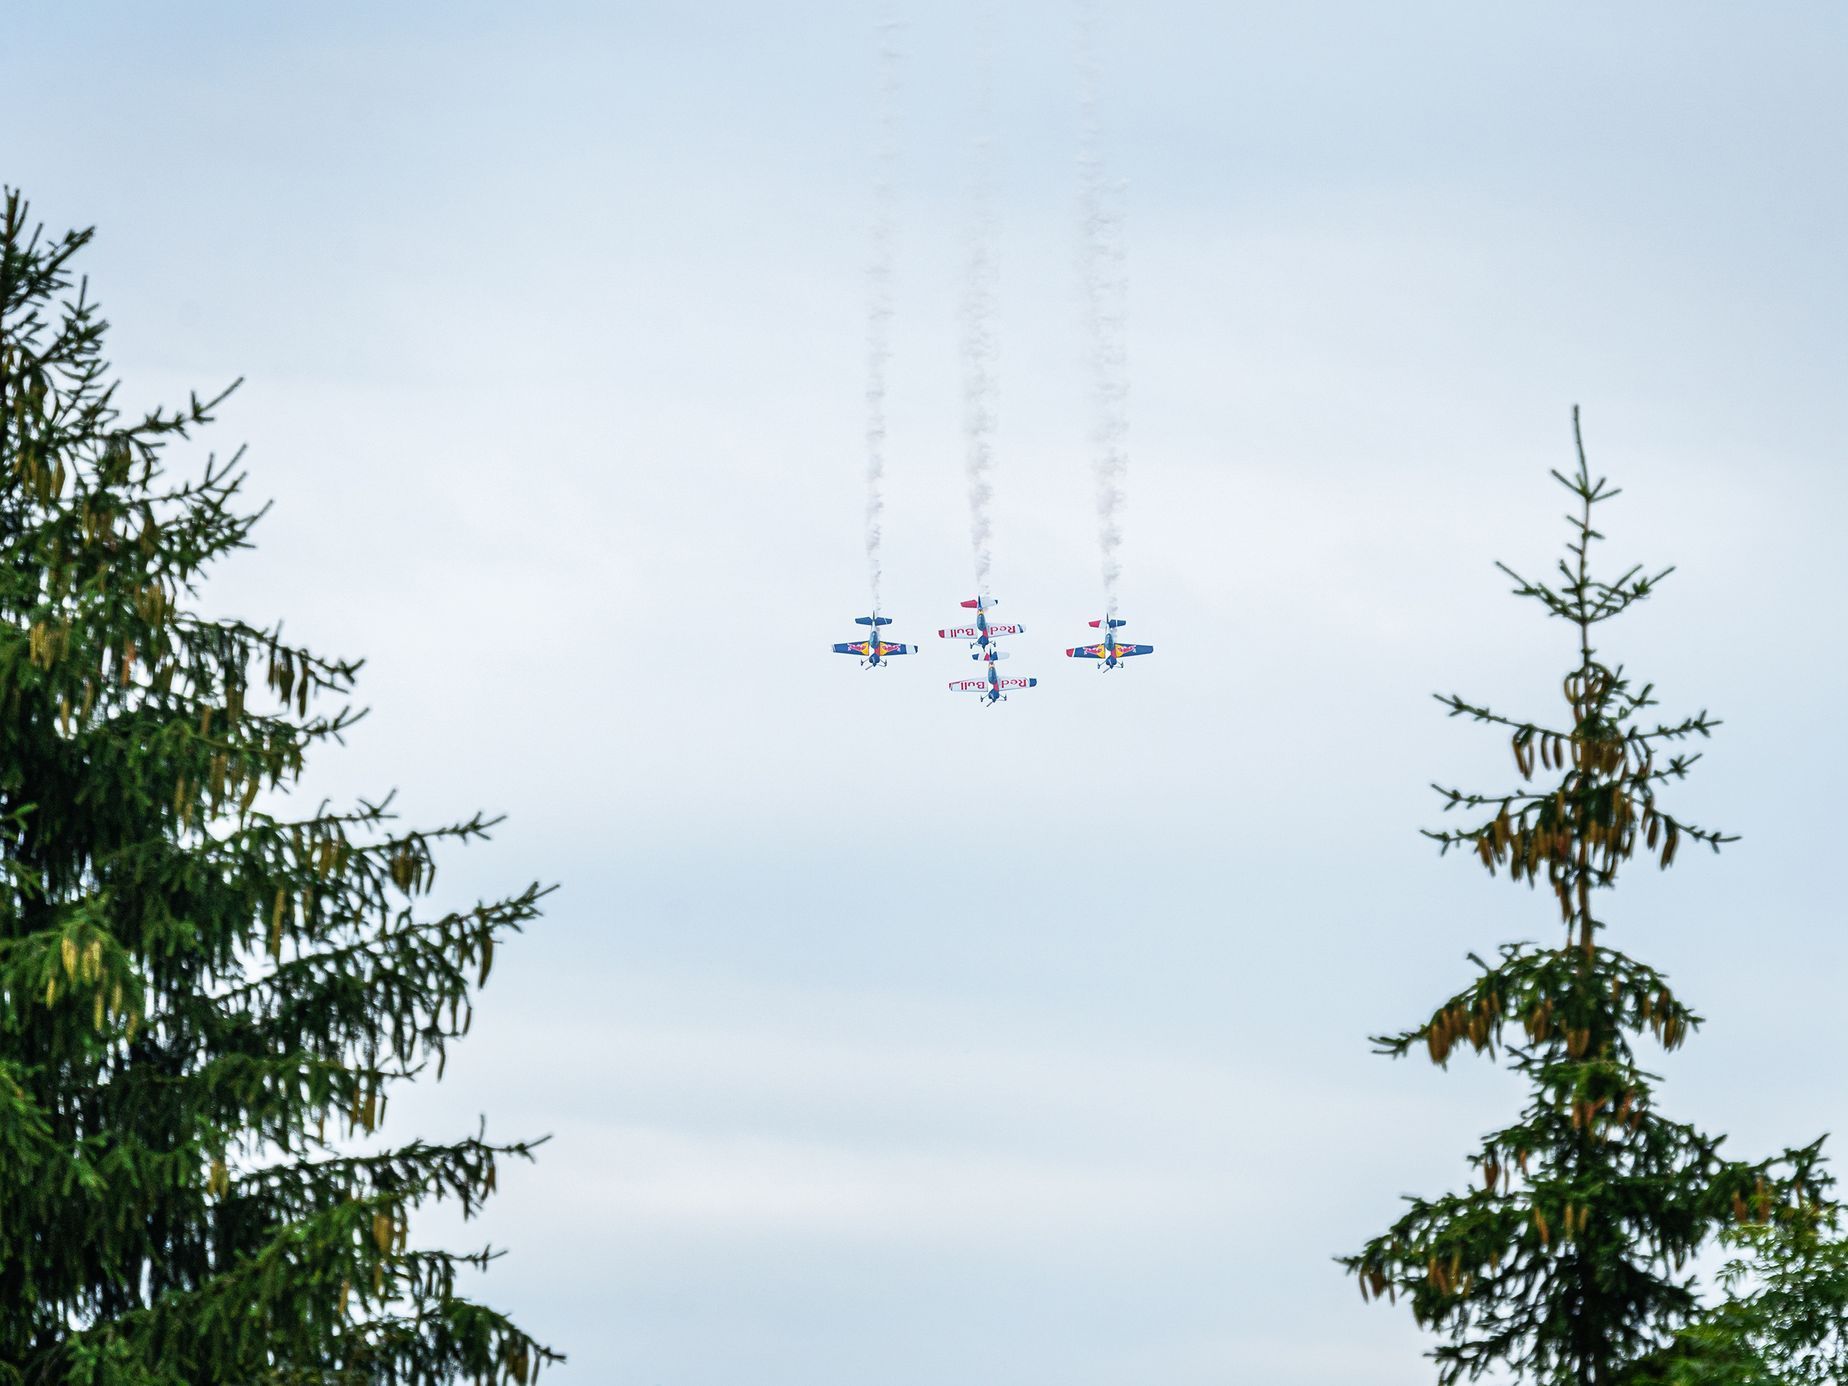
888, 1039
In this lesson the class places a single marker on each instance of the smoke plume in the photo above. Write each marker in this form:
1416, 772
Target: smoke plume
978, 336
879, 300
1104, 292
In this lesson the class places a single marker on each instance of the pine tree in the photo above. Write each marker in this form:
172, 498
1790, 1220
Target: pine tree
1567, 1260
204, 998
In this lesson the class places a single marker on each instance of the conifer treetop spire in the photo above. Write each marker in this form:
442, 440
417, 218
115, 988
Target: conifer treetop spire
1566, 1261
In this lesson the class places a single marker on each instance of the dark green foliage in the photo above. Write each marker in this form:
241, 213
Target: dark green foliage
201, 996
1784, 1321
1567, 1260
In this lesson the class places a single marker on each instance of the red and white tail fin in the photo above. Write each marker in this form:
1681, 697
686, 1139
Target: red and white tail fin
981, 603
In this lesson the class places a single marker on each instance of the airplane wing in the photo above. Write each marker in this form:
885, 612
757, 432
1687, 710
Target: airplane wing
1123, 651
996, 628
973, 685
895, 649
1017, 683
852, 648
960, 633
1088, 652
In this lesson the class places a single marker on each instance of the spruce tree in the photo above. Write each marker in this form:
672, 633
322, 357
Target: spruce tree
1566, 1261
205, 998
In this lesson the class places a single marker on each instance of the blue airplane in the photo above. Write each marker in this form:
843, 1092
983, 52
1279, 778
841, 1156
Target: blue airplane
873, 651
1109, 650
984, 632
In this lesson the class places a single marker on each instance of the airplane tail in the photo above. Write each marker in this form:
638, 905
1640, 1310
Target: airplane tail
981, 603
872, 620
1112, 622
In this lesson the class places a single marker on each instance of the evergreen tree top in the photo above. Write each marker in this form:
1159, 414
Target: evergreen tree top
1611, 757
207, 995
1567, 1261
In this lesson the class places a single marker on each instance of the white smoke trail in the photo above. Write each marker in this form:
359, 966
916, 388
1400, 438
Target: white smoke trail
979, 303
1104, 289
879, 301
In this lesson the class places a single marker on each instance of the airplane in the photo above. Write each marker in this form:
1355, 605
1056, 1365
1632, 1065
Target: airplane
993, 687
1109, 650
984, 632
873, 651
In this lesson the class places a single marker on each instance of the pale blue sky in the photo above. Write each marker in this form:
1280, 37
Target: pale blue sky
889, 1040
